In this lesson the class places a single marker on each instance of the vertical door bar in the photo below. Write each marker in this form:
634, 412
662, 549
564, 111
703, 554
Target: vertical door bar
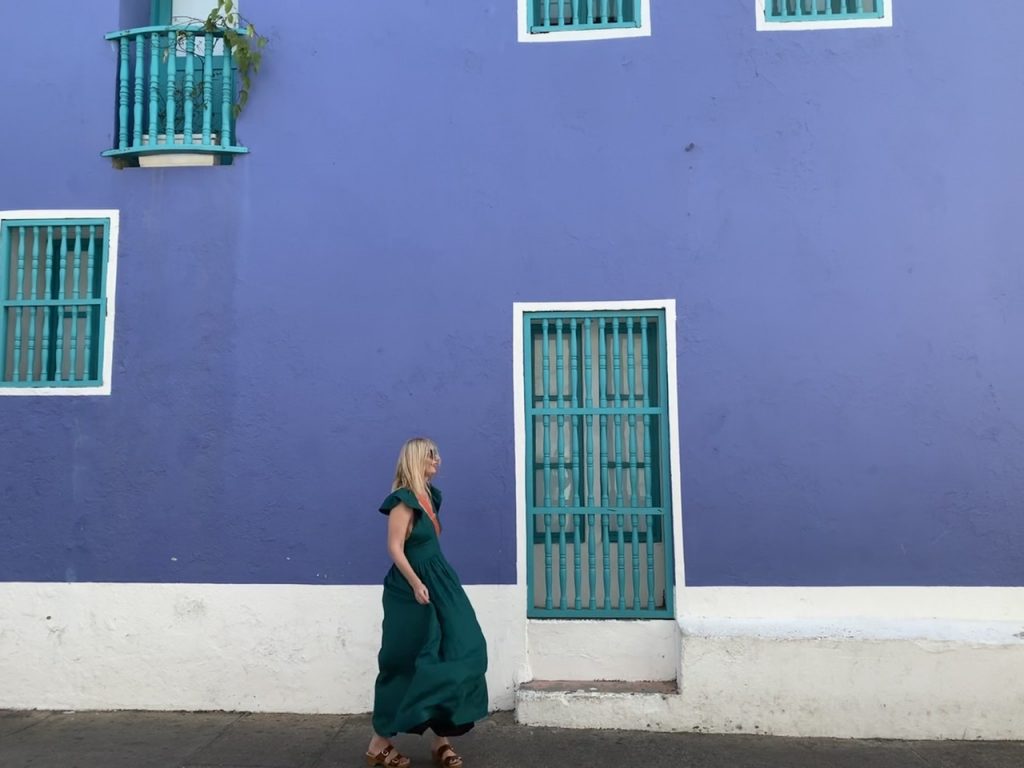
59, 309
90, 293
101, 294
545, 379
617, 401
577, 454
648, 496
19, 295
5, 252
48, 313
634, 498
560, 472
602, 385
560, 463
588, 399
33, 295
76, 294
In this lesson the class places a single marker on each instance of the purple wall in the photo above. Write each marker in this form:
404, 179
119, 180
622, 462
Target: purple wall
834, 212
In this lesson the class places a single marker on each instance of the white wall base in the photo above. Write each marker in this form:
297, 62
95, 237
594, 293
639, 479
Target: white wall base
924, 663
900, 680
932, 681
261, 648
603, 650
851, 662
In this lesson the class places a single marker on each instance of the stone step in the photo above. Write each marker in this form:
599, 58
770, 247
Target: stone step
614, 704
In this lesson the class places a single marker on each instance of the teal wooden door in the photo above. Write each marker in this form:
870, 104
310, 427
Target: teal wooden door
598, 487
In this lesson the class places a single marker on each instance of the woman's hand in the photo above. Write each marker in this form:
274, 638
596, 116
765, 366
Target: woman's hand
421, 593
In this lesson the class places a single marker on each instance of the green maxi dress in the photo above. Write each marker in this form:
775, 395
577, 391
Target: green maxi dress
432, 657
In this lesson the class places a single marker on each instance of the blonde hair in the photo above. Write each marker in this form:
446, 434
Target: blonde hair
411, 468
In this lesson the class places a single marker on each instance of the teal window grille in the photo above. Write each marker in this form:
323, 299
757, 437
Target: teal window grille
823, 10
176, 87
598, 493
53, 302
570, 15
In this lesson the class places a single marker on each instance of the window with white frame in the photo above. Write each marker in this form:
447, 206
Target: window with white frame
564, 20
57, 281
822, 14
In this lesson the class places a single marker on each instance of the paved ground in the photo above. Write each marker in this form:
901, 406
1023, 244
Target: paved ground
231, 740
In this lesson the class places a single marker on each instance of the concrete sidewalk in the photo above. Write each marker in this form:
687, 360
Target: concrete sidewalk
233, 740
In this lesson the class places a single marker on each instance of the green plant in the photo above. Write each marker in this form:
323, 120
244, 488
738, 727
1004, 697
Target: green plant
240, 37
245, 44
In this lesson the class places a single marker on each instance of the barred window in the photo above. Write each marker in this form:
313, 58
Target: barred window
54, 294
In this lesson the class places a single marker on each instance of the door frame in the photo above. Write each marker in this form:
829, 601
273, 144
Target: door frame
523, 536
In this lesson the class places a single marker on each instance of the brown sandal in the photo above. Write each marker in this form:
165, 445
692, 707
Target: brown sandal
454, 760
385, 758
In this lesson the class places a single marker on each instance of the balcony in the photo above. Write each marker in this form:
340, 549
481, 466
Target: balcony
176, 97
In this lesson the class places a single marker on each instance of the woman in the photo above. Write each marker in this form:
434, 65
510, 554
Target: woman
433, 655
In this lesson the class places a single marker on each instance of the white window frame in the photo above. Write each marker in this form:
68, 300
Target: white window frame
763, 25
113, 215
525, 36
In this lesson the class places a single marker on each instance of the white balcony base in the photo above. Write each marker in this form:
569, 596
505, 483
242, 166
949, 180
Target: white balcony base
178, 159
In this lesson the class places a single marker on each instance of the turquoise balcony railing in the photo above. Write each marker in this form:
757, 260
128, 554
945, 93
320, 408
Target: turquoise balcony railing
175, 93
823, 10
570, 15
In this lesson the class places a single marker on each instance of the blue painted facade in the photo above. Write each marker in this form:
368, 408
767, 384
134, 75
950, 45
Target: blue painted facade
836, 214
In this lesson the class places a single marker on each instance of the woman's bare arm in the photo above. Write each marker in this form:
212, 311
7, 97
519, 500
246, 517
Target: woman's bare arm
398, 525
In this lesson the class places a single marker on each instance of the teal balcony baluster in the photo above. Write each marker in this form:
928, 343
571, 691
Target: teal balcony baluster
170, 80
190, 87
207, 87
140, 71
154, 86
122, 95
227, 91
